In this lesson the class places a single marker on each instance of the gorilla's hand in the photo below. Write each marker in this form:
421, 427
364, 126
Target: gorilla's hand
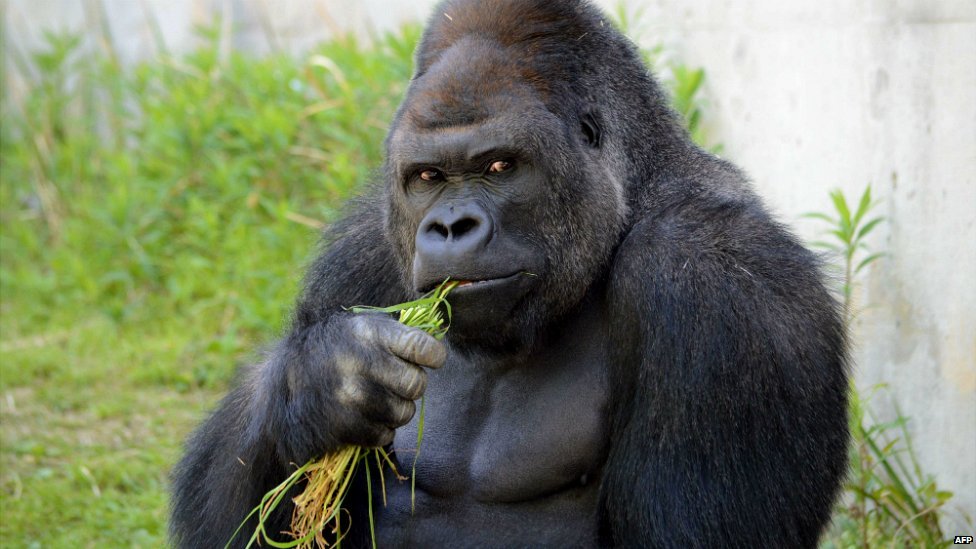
353, 380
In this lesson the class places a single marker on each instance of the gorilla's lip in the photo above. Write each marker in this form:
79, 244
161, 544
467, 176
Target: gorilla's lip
482, 284
469, 284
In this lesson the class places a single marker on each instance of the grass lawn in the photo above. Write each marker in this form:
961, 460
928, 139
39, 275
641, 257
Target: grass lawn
156, 221
86, 451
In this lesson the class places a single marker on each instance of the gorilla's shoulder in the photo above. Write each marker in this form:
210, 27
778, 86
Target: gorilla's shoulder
709, 234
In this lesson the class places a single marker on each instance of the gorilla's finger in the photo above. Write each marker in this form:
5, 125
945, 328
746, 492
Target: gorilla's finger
401, 378
389, 411
401, 412
413, 345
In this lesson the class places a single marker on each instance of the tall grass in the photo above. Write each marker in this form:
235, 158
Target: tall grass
155, 224
889, 500
248, 157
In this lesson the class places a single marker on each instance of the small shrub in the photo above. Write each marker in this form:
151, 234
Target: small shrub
888, 500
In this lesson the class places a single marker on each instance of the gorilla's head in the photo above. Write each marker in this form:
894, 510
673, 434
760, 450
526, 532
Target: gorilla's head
508, 162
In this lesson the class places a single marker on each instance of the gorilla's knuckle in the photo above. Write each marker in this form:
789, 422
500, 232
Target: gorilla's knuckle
403, 412
413, 382
362, 327
350, 393
421, 348
430, 352
347, 365
408, 342
438, 353
384, 436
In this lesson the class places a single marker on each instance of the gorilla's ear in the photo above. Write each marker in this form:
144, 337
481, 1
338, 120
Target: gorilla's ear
591, 128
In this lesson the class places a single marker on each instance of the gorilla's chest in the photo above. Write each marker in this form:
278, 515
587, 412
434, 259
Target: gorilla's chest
498, 432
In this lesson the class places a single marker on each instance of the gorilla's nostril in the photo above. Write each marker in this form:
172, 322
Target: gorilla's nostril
463, 226
439, 229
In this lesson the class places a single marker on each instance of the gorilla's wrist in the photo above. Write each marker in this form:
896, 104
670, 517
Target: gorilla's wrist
305, 422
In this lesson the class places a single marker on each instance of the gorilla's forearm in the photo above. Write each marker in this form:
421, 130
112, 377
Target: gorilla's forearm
251, 443
281, 413
228, 466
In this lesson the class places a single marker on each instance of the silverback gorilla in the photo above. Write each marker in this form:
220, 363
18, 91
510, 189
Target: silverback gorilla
640, 355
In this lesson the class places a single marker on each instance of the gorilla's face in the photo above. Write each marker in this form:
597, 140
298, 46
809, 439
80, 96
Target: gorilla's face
473, 196
489, 187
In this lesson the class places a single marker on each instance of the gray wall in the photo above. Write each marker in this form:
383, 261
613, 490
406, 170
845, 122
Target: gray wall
843, 93
806, 96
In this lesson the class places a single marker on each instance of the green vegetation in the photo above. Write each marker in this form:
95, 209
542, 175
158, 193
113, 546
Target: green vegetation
846, 231
155, 224
889, 501
682, 83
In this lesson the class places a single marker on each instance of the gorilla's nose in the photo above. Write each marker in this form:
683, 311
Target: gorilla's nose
454, 232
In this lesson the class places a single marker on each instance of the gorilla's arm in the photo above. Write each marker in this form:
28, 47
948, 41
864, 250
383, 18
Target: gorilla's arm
731, 360
266, 423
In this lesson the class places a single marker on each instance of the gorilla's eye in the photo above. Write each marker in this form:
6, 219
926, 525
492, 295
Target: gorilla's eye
500, 166
431, 175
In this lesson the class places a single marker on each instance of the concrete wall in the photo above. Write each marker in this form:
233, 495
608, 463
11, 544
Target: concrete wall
806, 97
837, 94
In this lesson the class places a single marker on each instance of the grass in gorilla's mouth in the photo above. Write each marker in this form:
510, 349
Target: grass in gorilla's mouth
329, 478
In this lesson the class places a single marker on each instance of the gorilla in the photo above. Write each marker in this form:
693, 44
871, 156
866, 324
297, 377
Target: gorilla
640, 354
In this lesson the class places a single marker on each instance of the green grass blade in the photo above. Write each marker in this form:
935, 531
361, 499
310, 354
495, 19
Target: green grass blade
369, 505
821, 217
867, 261
264, 509
868, 227
863, 206
840, 204
413, 472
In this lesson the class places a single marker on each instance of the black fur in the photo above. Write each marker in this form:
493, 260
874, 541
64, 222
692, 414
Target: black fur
725, 421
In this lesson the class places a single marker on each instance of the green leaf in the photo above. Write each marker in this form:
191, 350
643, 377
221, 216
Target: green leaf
868, 227
692, 79
840, 204
867, 261
694, 120
369, 504
863, 206
842, 235
896, 481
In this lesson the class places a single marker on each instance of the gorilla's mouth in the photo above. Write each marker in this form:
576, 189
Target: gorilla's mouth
483, 303
466, 283
486, 283
470, 284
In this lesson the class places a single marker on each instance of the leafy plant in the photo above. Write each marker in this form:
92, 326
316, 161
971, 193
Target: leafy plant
889, 500
155, 218
849, 228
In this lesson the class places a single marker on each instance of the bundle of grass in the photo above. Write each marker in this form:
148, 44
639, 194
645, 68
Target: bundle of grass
329, 478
